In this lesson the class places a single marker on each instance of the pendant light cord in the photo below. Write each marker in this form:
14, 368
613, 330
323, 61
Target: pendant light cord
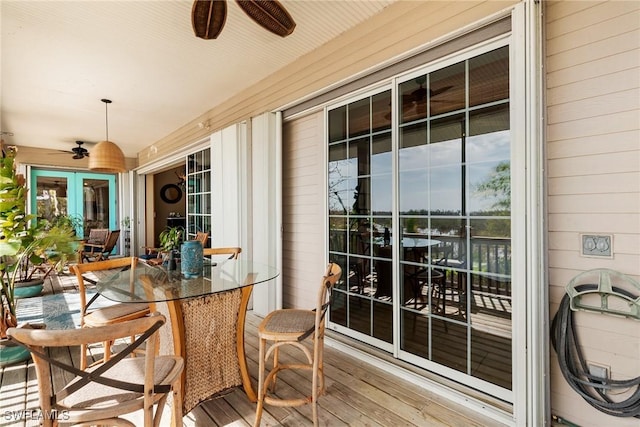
106, 114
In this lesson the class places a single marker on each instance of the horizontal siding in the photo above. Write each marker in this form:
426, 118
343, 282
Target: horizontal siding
302, 210
593, 176
615, 203
594, 184
600, 67
597, 106
606, 163
624, 141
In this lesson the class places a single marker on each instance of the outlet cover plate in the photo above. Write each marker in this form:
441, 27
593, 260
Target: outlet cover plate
597, 245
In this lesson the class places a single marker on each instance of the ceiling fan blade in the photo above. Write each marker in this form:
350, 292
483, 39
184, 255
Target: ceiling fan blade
443, 89
208, 18
270, 15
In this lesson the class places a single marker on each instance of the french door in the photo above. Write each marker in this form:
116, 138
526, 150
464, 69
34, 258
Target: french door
89, 197
419, 217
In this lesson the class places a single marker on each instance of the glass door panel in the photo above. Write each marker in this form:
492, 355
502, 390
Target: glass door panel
51, 196
97, 192
360, 189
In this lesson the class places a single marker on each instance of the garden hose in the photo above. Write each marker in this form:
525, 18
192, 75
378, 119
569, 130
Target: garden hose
574, 368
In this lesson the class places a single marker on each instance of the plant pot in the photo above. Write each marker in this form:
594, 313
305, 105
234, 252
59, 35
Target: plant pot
11, 353
28, 288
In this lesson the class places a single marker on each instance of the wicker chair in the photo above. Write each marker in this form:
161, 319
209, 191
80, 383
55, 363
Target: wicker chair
292, 327
104, 316
101, 395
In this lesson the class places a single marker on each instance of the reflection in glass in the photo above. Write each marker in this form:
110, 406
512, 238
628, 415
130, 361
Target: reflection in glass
381, 111
445, 146
51, 197
381, 156
337, 234
95, 202
445, 195
491, 246
338, 124
359, 152
413, 197
362, 196
447, 89
338, 171
381, 189
446, 351
383, 321
360, 314
359, 118
490, 188
414, 336
413, 136
338, 308
412, 99
489, 77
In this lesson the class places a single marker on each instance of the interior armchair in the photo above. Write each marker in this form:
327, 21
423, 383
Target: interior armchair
99, 251
102, 394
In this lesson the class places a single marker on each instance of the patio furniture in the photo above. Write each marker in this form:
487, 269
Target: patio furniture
119, 386
116, 313
207, 319
231, 251
92, 252
291, 327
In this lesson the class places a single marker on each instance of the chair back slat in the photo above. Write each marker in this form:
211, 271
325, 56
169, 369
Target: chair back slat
233, 252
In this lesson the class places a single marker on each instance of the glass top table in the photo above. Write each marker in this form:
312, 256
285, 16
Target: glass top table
206, 318
146, 283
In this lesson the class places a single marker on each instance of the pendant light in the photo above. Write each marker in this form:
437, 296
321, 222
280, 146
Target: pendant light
107, 156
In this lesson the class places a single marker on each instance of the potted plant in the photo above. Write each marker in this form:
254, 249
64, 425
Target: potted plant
170, 241
24, 240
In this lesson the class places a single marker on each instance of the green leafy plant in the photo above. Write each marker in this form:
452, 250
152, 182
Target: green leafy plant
171, 238
24, 239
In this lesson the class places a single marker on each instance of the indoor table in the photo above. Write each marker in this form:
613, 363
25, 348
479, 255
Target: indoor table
207, 318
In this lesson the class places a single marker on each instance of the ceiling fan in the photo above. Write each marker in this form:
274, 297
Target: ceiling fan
420, 94
78, 152
208, 16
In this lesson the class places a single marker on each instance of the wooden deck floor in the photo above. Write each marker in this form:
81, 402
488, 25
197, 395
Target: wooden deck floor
357, 394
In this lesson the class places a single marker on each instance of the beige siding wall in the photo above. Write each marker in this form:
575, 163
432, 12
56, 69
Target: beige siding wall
593, 169
303, 210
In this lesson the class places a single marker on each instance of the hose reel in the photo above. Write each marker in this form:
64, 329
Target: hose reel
612, 293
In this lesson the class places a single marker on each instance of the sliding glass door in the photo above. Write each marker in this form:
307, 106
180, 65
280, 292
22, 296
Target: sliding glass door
418, 193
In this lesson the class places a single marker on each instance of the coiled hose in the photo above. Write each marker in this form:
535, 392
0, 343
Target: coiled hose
575, 370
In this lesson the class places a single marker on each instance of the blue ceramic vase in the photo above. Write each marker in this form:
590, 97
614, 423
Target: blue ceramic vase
191, 259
